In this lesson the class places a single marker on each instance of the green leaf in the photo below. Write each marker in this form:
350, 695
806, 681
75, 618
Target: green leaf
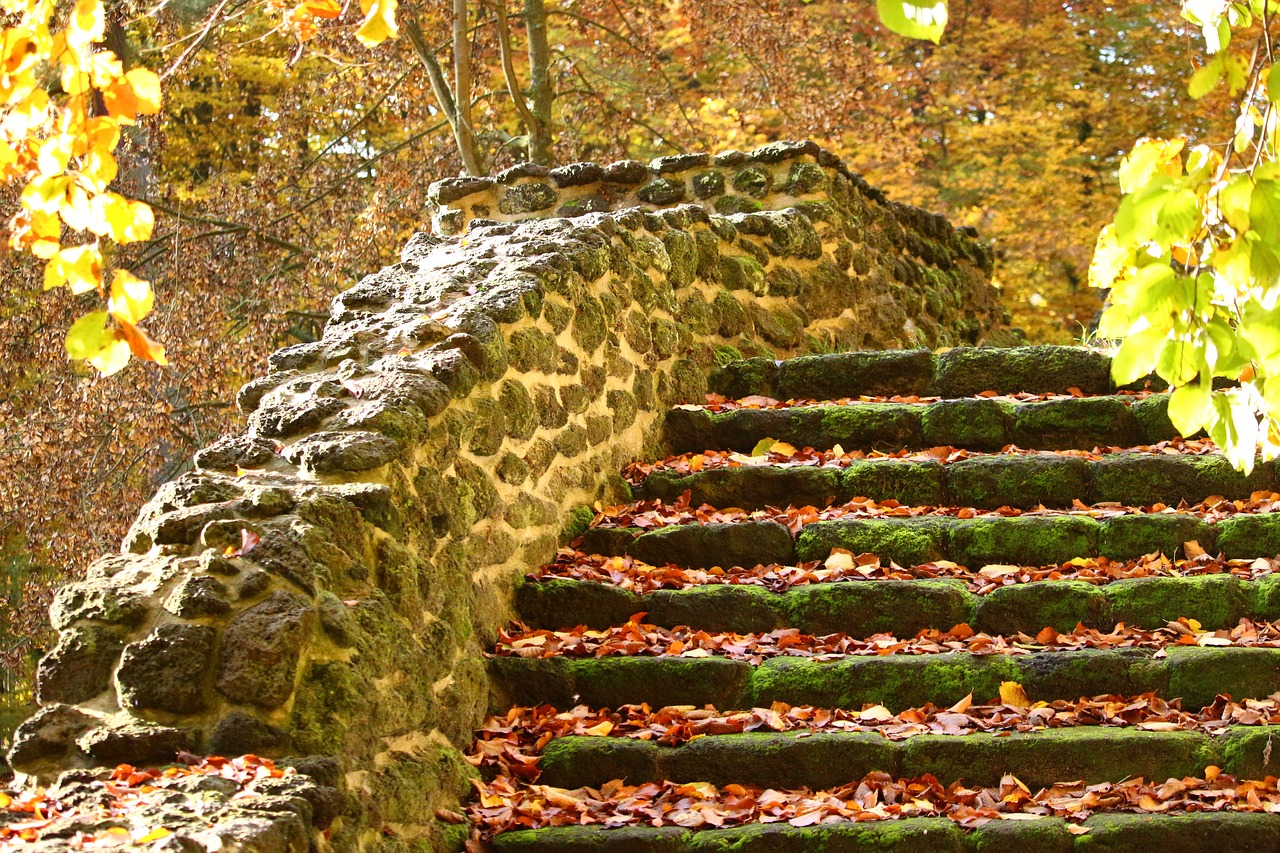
1191, 407
1179, 218
1110, 259
1181, 360
1261, 328
763, 446
1264, 264
1273, 83
1236, 69
1234, 201
1234, 428
1137, 355
915, 19
1264, 210
1205, 78
89, 336
1137, 219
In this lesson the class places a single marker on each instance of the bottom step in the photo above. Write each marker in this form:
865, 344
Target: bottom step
1107, 833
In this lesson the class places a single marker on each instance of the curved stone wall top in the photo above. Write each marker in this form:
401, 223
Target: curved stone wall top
324, 582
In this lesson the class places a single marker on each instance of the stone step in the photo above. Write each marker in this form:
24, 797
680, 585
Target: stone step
969, 423
959, 372
985, 481
823, 760
1040, 539
905, 607
1107, 833
1193, 673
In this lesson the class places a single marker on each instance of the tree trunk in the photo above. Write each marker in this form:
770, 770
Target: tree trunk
540, 91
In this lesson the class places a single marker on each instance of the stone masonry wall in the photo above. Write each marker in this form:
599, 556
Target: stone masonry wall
324, 583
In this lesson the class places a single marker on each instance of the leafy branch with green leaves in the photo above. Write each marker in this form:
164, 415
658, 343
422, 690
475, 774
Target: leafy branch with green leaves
1192, 258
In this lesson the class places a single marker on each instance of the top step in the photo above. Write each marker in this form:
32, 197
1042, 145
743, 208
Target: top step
959, 372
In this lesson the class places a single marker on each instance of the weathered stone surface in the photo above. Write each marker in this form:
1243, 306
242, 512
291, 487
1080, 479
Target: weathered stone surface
259, 654
167, 670
331, 452
79, 667
239, 733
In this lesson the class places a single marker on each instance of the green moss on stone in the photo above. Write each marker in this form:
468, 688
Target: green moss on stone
592, 839
1249, 752
907, 542
1152, 417
718, 607
1245, 536
1019, 481
1179, 833
1128, 537
1048, 835
1081, 424
902, 608
1030, 607
1144, 479
908, 483
971, 424
966, 371
1090, 672
773, 760
748, 487
1023, 540
897, 682
739, 272
1216, 601
744, 377
1044, 758
865, 426
747, 544
909, 835
1199, 674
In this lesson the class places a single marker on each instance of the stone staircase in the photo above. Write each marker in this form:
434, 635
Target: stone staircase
979, 534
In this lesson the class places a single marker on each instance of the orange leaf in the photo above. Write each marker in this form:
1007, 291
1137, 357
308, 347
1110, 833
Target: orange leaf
322, 8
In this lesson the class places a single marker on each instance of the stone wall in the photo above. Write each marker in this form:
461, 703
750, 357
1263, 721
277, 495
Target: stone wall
325, 582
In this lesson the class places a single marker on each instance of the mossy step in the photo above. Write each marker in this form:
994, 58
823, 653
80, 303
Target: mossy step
1194, 674
973, 424
905, 607
985, 482
959, 372
1026, 540
1108, 833
822, 760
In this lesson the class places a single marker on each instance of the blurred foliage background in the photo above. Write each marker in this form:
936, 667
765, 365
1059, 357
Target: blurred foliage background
282, 172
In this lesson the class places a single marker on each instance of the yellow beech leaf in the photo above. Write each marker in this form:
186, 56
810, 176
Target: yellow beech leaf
1011, 693
54, 154
87, 24
600, 729
379, 22
146, 89
124, 221
131, 297
91, 338
79, 267
76, 210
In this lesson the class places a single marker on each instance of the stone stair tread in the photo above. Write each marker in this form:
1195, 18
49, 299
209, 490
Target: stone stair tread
981, 480
958, 372
823, 760
1038, 537
977, 423
1197, 675
904, 607
1107, 833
